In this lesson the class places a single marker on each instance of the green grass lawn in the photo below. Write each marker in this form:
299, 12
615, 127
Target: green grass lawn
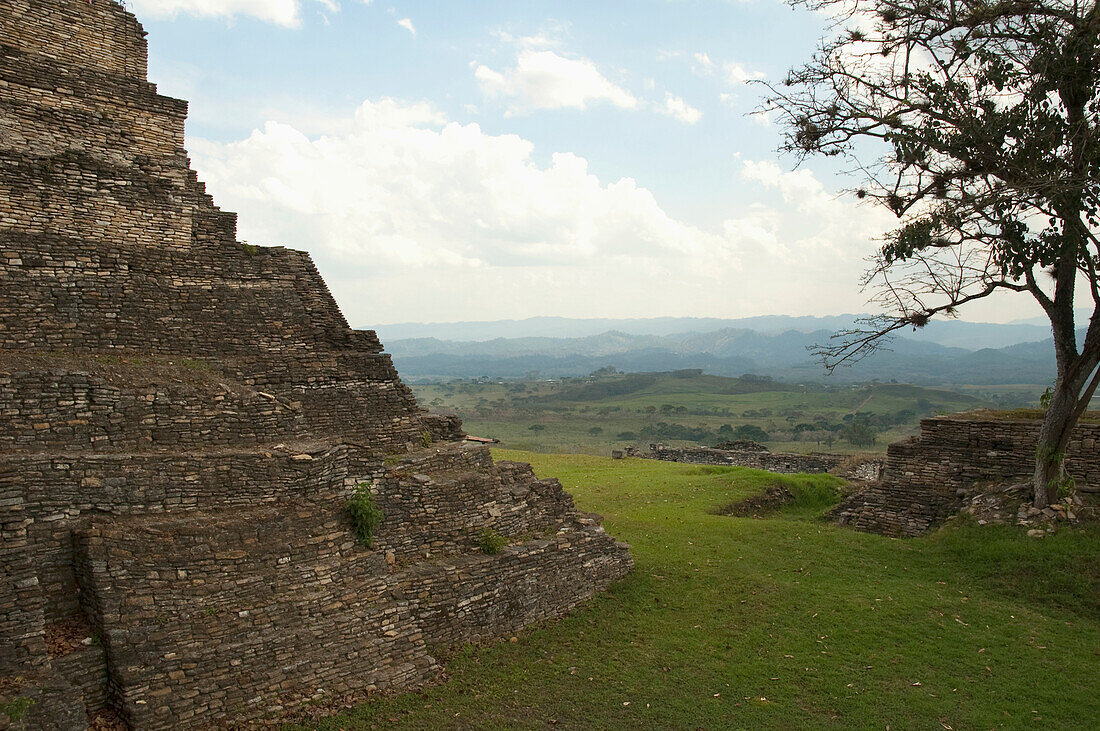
783, 622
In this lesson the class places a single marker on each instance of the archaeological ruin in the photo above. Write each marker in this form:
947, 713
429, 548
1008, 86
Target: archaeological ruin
928, 478
861, 468
183, 419
925, 479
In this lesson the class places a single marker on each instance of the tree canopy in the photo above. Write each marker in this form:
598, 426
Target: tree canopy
975, 123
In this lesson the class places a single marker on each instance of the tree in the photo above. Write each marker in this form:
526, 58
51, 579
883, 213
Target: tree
752, 433
975, 122
859, 433
596, 431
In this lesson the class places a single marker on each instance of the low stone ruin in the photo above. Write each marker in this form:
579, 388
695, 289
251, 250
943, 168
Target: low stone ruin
930, 477
860, 468
184, 418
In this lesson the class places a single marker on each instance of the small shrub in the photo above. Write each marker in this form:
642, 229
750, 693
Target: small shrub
250, 249
16, 708
426, 438
364, 514
490, 542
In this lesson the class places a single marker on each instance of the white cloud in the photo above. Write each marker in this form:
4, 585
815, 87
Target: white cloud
416, 217
407, 24
280, 12
812, 220
681, 110
546, 80
737, 74
543, 39
703, 66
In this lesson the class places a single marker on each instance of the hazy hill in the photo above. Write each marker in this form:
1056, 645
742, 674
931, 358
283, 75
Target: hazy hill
728, 352
952, 333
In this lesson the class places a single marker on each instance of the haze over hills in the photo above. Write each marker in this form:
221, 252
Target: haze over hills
727, 352
954, 333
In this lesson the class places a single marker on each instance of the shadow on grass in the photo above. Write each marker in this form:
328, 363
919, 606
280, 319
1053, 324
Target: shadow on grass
799, 495
1061, 570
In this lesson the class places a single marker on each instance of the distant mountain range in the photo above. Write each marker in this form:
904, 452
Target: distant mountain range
729, 352
944, 352
951, 333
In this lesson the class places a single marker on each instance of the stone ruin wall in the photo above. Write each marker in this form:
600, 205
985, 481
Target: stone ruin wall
860, 468
927, 477
182, 419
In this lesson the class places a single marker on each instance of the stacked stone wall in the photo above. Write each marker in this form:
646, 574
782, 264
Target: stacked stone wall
205, 301
435, 504
22, 633
97, 34
222, 624
51, 108
476, 597
927, 477
221, 405
65, 410
61, 492
770, 461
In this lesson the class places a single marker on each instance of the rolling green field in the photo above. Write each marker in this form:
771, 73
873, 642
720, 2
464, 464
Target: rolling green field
599, 414
783, 622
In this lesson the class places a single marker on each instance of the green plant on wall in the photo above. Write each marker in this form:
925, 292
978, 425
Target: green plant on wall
490, 542
364, 513
16, 708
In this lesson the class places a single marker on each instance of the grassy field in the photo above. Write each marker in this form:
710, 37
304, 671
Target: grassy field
784, 622
561, 416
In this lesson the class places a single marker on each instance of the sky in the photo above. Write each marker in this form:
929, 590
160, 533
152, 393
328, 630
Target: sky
492, 159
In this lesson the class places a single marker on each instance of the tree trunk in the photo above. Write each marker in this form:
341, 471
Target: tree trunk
1050, 452
1067, 403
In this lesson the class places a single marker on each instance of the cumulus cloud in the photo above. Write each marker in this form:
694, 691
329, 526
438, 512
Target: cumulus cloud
413, 216
407, 24
703, 64
812, 224
737, 74
281, 12
543, 79
681, 110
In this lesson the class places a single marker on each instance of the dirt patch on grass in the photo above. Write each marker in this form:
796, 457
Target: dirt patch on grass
774, 497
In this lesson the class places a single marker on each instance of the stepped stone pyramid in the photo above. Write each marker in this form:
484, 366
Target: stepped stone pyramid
182, 420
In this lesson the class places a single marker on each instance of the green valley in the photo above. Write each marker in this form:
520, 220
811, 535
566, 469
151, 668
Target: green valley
611, 410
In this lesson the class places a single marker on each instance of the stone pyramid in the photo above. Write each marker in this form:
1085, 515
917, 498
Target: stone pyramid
183, 419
